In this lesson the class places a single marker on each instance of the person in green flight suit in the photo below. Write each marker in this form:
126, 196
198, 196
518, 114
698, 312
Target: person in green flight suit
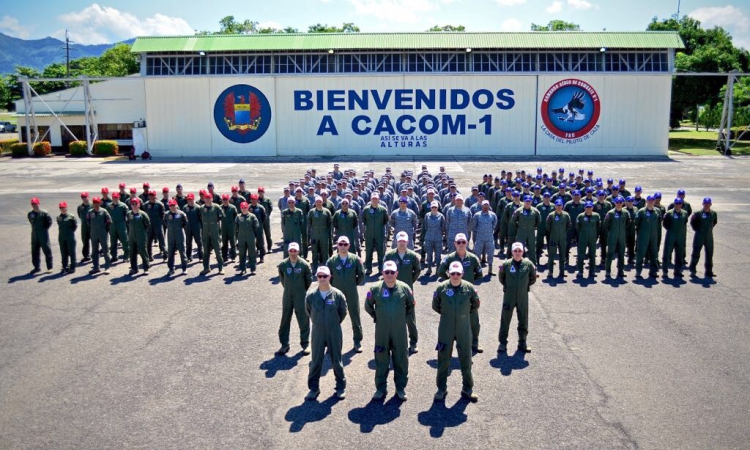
648, 229
407, 263
557, 227
523, 225
345, 223
376, 219
390, 303
703, 223
138, 236
516, 275
41, 222
118, 211
472, 271
616, 223
211, 218
675, 222
293, 226
347, 273
248, 230
267, 204
319, 232
630, 235
228, 235
99, 223
83, 212
455, 300
602, 207
587, 227
545, 209
155, 211
193, 230
175, 222
295, 276
508, 212
66, 237
326, 307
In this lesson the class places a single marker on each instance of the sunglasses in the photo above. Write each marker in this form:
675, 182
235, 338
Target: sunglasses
293, 251
343, 244
322, 277
460, 242
456, 274
518, 251
389, 272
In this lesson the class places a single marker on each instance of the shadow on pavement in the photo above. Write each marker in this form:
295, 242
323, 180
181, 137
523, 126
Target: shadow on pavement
705, 282
309, 411
24, 277
53, 276
615, 282
280, 362
507, 364
346, 359
455, 363
376, 413
647, 282
439, 416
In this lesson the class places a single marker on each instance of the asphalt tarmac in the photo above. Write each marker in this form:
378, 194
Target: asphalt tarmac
100, 362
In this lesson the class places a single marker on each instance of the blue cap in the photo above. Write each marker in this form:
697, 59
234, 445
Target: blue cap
519, 180
504, 182
242, 180
599, 184
481, 194
546, 194
507, 189
179, 186
707, 201
527, 198
562, 185
598, 180
587, 180
497, 178
588, 204
681, 192
678, 201
638, 189
525, 185
622, 181
516, 194
610, 180
615, 187
590, 172
619, 199
581, 171
657, 194
629, 198
589, 190
558, 202
210, 184
538, 177
576, 192
403, 200
600, 193
536, 187
539, 169
561, 170
650, 198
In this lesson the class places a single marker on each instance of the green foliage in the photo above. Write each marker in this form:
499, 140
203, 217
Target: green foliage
345, 28
106, 148
5, 145
448, 28
710, 116
556, 25
19, 150
77, 148
42, 148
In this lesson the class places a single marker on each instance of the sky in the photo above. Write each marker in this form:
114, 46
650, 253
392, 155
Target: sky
99, 23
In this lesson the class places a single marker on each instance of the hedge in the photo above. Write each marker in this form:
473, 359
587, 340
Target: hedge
19, 150
106, 148
5, 144
42, 148
77, 148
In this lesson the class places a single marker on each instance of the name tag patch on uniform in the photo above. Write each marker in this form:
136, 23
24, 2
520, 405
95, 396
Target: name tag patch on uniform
557, 218
467, 263
676, 216
449, 292
338, 267
585, 219
617, 216
329, 301
407, 261
297, 270
648, 214
705, 215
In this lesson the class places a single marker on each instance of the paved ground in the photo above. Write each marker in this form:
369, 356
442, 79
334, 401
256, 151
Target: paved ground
151, 362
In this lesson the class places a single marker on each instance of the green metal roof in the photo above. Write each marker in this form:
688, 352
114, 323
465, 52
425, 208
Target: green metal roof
408, 41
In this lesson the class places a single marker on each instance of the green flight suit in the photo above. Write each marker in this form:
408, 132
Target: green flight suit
267, 204
176, 222
40, 224
376, 219
523, 225
155, 213
228, 234
573, 209
408, 272
296, 279
616, 225
454, 304
390, 309
508, 211
602, 208
237, 201
346, 276
630, 235
180, 199
587, 228
703, 224
541, 231
303, 204
648, 229
119, 229
99, 223
676, 225
319, 232
326, 315
502, 220
211, 218
346, 224
516, 278
472, 271
139, 225
294, 229
557, 228
83, 211
248, 230
66, 237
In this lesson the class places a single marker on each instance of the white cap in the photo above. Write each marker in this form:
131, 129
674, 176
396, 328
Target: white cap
434, 204
375, 195
460, 197
460, 237
402, 236
318, 197
291, 200
430, 191
517, 245
323, 270
293, 246
390, 265
456, 266
485, 202
342, 239
346, 200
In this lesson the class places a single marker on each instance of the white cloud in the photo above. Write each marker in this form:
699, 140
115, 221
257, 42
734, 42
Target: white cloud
729, 17
510, 2
12, 27
270, 24
511, 25
404, 11
102, 24
555, 7
581, 4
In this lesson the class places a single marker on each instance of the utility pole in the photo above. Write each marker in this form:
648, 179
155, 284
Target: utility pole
678, 10
67, 57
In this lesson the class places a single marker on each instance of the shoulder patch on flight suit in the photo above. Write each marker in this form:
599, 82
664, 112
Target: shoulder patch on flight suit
289, 270
449, 292
369, 295
386, 292
512, 268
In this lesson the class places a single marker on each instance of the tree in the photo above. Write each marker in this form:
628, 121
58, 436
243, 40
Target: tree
448, 28
345, 28
228, 25
556, 25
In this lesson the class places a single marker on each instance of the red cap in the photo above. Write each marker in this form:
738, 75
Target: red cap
84, 194
172, 202
202, 192
135, 201
116, 195
96, 200
244, 205
63, 204
261, 189
146, 185
253, 196
152, 193
34, 201
105, 190
133, 190
191, 196
165, 189
225, 196
207, 195
122, 185
235, 188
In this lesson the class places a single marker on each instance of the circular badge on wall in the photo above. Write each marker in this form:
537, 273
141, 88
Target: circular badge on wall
242, 113
570, 108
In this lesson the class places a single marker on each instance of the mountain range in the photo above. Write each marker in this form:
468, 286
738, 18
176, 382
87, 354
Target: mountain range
39, 53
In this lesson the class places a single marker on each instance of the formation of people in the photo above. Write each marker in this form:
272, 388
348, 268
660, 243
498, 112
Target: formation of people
328, 221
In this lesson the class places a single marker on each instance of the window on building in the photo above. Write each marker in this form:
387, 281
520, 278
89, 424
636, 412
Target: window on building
115, 131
